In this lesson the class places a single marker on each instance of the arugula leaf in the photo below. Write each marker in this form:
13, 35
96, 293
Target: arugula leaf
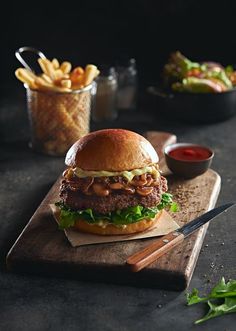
166, 201
229, 306
174, 207
222, 291
119, 217
193, 297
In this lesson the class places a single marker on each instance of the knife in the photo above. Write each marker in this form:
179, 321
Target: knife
151, 253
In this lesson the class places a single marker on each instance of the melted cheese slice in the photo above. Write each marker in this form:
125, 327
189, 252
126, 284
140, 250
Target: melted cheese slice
129, 175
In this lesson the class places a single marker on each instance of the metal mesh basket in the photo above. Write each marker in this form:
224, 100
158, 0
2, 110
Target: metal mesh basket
57, 120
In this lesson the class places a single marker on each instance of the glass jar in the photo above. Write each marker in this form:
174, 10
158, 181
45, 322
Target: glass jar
105, 106
127, 84
57, 119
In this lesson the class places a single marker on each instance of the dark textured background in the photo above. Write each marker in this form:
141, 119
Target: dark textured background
105, 31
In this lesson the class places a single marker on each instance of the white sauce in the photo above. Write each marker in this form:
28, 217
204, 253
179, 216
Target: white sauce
127, 174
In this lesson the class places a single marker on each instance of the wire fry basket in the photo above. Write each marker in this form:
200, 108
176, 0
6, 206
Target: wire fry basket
57, 120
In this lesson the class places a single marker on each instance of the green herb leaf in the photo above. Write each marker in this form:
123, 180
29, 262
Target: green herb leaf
174, 207
193, 297
229, 306
222, 291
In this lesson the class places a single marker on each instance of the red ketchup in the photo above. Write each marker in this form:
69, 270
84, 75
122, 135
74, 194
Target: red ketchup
190, 153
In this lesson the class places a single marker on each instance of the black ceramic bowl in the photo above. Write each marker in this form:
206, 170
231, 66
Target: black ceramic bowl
185, 167
194, 107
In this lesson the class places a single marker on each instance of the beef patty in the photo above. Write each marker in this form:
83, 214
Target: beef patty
117, 200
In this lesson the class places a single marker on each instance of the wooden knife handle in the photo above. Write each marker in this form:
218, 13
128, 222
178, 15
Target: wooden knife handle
151, 253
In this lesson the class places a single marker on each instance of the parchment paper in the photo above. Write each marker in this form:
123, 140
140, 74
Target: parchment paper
164, 225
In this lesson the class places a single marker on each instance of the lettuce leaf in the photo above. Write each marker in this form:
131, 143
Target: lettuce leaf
119, 217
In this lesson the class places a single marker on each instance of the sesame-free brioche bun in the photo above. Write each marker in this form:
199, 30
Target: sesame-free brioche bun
111, 150
110, 229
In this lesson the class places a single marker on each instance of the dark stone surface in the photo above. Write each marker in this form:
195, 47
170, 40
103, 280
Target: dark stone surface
38, 303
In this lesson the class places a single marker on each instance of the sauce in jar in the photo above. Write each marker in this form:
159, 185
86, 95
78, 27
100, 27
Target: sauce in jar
190, 153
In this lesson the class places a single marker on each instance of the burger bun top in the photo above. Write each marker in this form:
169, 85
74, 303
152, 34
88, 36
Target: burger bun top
111, 150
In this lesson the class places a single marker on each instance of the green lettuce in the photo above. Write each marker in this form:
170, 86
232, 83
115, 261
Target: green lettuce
119, 217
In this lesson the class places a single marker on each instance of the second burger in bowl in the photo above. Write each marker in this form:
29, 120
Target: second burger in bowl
112, 184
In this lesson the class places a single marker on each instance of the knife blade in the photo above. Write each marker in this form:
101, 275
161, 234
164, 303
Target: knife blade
152, 252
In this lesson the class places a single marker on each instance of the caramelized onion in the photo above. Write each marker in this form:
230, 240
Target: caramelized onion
87, 184
103, 186
129, 189
150, 181
116, 186
144, 190
139, 182
100, 190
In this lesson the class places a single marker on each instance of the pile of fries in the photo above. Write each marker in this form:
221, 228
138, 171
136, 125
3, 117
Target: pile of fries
58, 77
58, 119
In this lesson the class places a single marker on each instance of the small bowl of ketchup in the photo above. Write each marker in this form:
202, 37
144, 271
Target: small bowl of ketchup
188, 160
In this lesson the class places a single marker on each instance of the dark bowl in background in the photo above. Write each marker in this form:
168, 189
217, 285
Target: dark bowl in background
184, 168
193, 107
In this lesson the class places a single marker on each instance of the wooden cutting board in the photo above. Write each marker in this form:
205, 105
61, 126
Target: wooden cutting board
43, 249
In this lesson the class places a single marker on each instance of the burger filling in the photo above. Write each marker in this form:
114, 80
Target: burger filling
117, 199
129, 175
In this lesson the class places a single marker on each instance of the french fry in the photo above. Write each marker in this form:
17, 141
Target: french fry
42, 66
66, 76
47, 67
77, 80
66, 67
58, 74
46, 78
43, 85
66, 83
90, 74
77, 76
78, 71
26, 76
55, 64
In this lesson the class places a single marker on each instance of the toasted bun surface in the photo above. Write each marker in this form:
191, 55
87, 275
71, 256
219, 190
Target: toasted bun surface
111, 150
110, 229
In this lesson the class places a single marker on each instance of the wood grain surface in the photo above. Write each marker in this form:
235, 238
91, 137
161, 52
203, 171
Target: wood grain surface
43, 249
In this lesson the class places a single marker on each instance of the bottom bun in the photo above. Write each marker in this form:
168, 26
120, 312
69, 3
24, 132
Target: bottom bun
111, 229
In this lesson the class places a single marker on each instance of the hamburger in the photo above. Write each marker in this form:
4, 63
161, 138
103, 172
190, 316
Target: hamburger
112, 184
